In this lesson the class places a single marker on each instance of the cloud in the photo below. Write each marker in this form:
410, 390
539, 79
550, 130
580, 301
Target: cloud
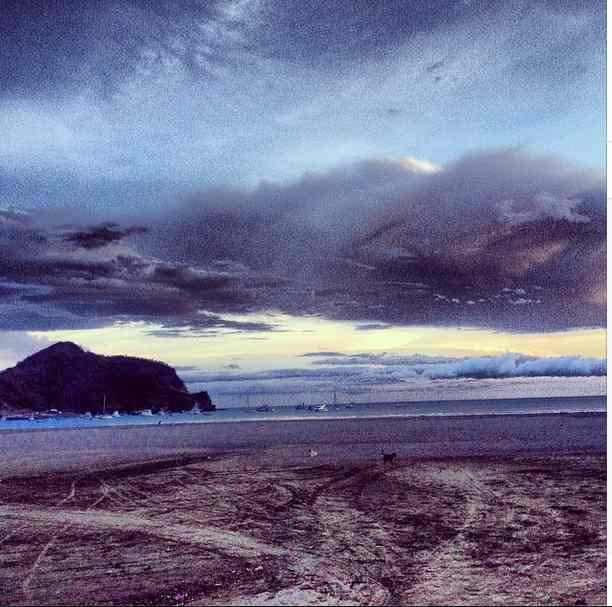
377, 359
436, 65
323, 354
541, 206
207, 325
101, 235
372, 327
374, 242
515, 365
369, 372
112, 109
46, 282
372, 369
418, 165
383, 244
104, 44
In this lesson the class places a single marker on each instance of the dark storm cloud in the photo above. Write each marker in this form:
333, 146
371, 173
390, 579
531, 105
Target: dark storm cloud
207, 325
48, 283
101, 235
372, 326
500, 239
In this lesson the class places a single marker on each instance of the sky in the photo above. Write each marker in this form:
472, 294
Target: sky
245, 188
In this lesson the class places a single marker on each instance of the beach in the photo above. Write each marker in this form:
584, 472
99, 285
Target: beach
474, 510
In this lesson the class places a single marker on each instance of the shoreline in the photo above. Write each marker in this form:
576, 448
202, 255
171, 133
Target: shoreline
314, 418
42, 450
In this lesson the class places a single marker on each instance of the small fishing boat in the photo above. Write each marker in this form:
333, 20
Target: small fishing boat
264, 409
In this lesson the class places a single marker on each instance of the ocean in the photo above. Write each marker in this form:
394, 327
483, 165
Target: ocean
441, 408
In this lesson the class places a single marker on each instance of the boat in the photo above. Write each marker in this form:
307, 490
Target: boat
104, 414
115, 414
264, 409
146, 412
322, 408
301, 407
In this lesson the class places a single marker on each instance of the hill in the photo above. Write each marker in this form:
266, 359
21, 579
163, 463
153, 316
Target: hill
64, 376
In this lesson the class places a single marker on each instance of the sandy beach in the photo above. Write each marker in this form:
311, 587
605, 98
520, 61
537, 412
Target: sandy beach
505, 510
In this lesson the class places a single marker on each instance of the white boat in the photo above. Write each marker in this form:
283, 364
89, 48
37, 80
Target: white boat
319, 408
104, 416
146, 412
115, 414
88, 415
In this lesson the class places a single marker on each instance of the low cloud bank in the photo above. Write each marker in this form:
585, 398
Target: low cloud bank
516, 365
385, 370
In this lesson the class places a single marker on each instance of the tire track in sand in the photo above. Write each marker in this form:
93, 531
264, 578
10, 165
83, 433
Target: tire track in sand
68, 498
231, 542
41, 555
446, 573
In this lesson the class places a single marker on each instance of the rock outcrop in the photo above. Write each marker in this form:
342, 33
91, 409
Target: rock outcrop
64, 376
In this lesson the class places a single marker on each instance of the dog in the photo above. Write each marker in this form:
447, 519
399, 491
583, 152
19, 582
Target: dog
388, 458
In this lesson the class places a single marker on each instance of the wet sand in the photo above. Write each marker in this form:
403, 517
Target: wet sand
477, 511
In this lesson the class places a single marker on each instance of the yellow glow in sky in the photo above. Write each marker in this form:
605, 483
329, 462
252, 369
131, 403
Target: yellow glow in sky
298, 335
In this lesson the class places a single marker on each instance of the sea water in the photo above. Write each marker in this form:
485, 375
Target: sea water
442, 408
